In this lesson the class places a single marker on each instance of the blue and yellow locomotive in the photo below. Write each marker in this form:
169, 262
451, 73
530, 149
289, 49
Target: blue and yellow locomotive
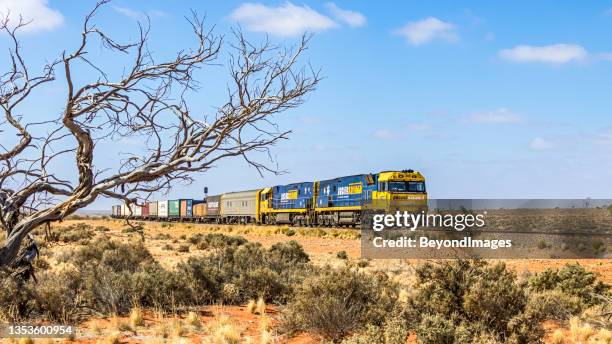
332, 202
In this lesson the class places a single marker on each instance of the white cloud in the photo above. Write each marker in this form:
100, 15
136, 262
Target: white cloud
350, 18
539, 143
501, 115
427, 30
127, 12
37, 12
286, 20
384, 134
556, 53
137, 15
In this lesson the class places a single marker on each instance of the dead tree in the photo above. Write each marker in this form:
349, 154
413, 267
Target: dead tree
148, 102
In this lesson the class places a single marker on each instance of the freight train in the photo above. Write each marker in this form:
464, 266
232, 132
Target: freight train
334, 202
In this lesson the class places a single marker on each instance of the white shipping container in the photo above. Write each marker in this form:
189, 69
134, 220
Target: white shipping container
136, 210
125, 211
162, 209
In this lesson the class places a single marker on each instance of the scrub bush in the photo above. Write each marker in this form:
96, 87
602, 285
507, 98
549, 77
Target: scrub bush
573, 280
334, 303
464, 301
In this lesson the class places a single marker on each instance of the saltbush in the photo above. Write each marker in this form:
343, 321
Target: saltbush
334, 303
573, 280
464, 301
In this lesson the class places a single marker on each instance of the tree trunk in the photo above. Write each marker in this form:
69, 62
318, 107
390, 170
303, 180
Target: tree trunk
10, 249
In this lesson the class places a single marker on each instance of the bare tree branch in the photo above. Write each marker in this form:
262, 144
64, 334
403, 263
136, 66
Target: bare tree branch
148, 102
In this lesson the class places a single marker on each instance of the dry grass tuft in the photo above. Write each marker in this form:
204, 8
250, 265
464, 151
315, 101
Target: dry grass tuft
558, 337
251, 306
121, 324
114, 338
178, 330
261, 306
223, 331
580, 332
26, 341
604, 336
193, 320
266, 337
136, 317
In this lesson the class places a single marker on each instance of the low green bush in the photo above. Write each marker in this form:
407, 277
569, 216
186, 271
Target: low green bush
335, 303
573, 280
463, 301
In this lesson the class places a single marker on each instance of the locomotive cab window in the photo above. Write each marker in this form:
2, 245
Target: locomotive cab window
405, 186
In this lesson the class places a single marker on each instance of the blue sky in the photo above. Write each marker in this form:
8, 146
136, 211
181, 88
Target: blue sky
486, 99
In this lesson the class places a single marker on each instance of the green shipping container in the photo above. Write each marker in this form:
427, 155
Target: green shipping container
173, 208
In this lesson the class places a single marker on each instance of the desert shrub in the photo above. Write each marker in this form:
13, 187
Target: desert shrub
59, 299
102, 229
395, 331
254, 271
371, 335
109, 277
183, 248
163, 236
215, 240
284, 255
435, 329
554, 304
341, 255
138, 228
201, 278
573, 280
262, 282
472, 298
16, 301
76, 233
334, 303
230, 293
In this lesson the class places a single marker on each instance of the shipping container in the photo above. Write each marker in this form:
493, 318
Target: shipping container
174, 209
162, 209
153, 209
239, 205
213, 205
199, 210
186, 209
136, 210
125, 211
145, 210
